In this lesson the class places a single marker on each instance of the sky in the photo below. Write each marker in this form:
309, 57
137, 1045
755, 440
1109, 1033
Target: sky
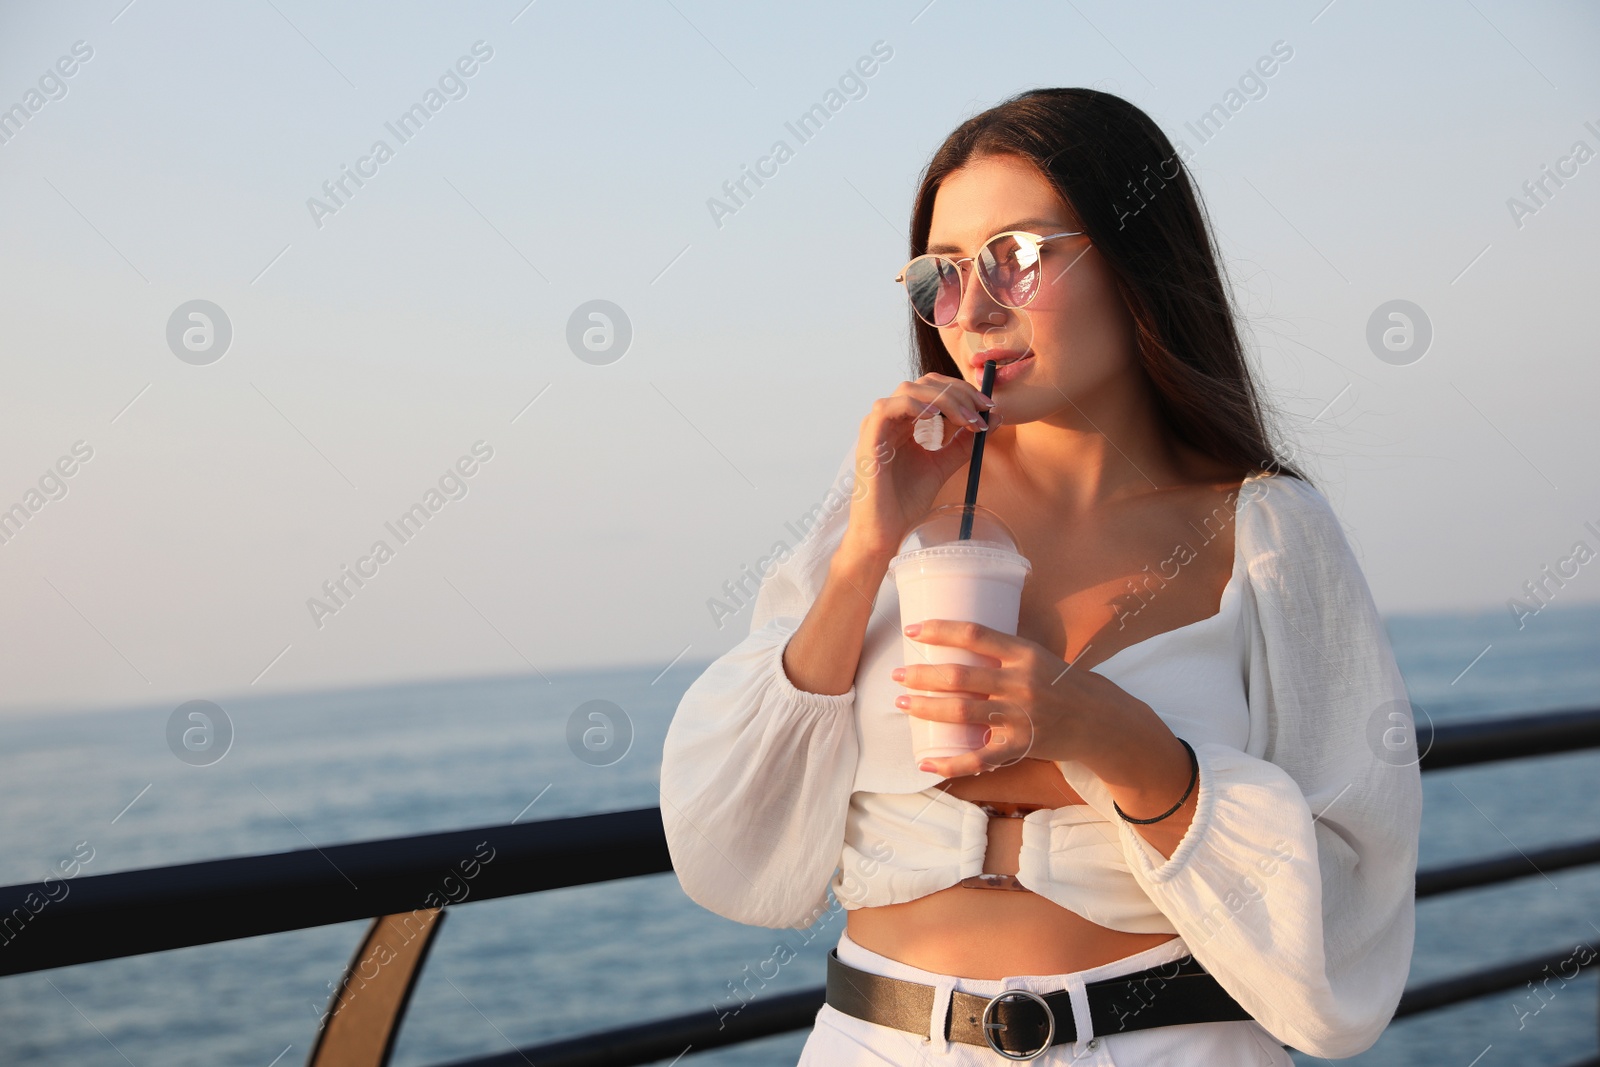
255, 340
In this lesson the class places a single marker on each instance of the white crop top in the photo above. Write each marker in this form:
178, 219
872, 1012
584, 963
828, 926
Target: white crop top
901, 846
1294, 882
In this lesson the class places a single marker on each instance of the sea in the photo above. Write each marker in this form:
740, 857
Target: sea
363, 763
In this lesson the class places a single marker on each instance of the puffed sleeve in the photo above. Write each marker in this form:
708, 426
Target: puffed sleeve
756, 774
1294, 884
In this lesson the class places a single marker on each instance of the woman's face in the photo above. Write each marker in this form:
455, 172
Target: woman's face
1082, 336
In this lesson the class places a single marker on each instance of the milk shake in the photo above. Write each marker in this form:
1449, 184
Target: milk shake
939, 575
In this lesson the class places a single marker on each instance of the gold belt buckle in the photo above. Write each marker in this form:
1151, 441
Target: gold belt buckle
1000, 809
1006, 809
992, 881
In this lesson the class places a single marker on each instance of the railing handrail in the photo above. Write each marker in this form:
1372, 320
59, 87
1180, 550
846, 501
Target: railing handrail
127, 913
1543, 733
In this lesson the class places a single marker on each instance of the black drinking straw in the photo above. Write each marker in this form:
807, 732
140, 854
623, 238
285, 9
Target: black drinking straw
977, 455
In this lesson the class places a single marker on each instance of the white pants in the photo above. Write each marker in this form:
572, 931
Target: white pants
840, 1040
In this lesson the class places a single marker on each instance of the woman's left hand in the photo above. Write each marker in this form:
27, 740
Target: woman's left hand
1034, 702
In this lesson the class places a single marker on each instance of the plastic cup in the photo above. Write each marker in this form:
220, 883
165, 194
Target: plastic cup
939, 575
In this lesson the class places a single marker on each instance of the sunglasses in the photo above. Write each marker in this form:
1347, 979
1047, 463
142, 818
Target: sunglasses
1008, 269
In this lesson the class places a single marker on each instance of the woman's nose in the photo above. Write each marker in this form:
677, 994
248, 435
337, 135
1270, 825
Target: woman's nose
978, 311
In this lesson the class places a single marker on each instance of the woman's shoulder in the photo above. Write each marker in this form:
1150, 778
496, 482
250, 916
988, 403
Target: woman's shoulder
1278, 508
1292, 541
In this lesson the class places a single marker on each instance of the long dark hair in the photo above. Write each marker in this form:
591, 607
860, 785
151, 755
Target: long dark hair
1136, 202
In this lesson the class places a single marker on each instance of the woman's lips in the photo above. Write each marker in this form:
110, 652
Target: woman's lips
1005, 372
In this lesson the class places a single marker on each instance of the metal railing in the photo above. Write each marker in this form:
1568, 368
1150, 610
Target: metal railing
393, 880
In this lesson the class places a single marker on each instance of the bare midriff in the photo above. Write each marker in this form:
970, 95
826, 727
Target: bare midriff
995, 933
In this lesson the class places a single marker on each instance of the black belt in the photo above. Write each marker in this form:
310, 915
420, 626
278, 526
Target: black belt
1020, 1024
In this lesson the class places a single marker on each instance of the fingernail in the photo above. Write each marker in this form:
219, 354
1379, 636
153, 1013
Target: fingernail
925, 766
898, 674
986, 401
902, 702
913, 629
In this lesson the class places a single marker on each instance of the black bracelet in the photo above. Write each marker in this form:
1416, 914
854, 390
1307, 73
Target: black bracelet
1194, 776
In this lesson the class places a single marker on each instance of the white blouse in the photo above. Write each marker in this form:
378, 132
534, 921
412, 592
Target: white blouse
1294, 883
901, 846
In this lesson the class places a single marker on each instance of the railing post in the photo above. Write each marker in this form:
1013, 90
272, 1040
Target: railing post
364, 1014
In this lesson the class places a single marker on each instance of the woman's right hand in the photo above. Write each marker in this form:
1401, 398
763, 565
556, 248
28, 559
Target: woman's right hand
896, 478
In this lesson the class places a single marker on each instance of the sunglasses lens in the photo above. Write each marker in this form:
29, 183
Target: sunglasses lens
1011, 269
934, 286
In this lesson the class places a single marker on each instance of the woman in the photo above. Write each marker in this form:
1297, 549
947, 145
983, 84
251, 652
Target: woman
1199, 797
